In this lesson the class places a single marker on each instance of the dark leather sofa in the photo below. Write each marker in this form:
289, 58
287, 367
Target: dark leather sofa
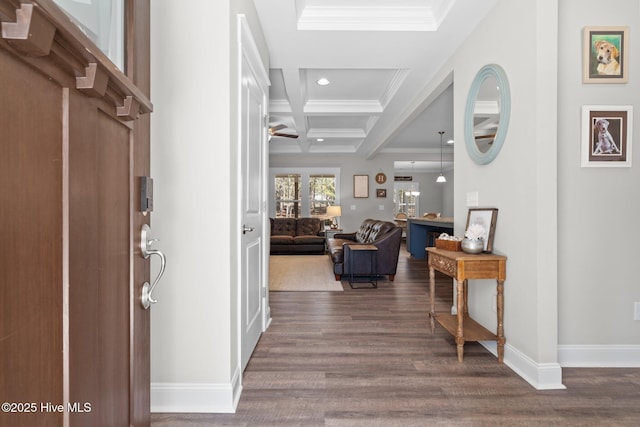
290, 236
386, 236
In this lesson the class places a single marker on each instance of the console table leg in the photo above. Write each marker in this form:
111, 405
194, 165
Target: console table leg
460, 342
466, 297
460, 309
432, 294
500, 310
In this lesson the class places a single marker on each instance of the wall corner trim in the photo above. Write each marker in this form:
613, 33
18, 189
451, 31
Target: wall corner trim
542, 376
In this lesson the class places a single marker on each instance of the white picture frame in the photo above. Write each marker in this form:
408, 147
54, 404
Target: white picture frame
606, 136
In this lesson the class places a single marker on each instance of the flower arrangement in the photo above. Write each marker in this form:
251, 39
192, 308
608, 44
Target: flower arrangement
475, 232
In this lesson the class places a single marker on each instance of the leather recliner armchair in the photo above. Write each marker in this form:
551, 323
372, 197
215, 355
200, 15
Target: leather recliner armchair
384, 235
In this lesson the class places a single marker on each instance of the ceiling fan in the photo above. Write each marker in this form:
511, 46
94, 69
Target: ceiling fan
488, 136
273, 131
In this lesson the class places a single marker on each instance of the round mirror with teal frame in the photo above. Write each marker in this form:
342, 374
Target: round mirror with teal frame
486, 117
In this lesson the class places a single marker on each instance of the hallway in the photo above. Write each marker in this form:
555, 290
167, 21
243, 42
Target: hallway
367, 358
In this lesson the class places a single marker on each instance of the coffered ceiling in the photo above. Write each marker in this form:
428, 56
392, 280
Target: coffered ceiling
378, 56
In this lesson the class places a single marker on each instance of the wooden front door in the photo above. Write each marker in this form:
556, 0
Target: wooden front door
74, 132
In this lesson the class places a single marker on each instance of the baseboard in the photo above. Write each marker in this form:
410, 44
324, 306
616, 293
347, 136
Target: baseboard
542, 376
196, 397
267, 315
599, 356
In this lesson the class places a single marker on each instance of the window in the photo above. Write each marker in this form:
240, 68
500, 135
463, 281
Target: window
102, 21
405, 198
287, 199
322, 193
298, 193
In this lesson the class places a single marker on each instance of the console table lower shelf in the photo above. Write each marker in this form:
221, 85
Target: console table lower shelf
473, 331
461, 267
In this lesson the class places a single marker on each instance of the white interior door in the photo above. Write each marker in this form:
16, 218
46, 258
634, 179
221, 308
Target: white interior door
254, 86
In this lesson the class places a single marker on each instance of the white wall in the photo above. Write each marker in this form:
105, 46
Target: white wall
521, 37
194, 342
597, 207
448, 194
431, 197
557, 291
349, 165
434, 196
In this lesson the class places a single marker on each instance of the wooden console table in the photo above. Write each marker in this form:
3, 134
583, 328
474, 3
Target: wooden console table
462, 266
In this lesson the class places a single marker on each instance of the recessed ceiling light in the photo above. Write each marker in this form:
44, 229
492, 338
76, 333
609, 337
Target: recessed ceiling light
323, 81
320, 139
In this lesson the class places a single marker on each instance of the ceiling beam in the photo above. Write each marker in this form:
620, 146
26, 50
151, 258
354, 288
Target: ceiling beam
420, 103
296, 92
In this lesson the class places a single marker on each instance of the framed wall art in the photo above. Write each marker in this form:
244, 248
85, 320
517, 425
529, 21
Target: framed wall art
360, 186
605, 55
606, 135
381, 192
487, 218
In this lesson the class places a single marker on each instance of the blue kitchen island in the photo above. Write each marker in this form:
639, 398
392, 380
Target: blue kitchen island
423, 232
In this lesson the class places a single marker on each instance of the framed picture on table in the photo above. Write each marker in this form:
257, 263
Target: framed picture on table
487, 218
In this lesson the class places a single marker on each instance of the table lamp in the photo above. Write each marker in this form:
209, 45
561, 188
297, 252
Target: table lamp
334, 212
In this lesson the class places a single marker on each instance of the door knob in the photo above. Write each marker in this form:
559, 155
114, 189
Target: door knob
246, 229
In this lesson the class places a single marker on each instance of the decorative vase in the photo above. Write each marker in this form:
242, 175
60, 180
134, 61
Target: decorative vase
472, 246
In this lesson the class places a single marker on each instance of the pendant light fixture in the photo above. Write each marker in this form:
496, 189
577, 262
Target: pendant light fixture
441, 177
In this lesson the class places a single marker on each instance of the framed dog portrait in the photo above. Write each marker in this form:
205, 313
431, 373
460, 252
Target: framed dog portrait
605, 55
606, 135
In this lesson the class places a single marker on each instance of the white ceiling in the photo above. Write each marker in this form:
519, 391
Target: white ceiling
378, 55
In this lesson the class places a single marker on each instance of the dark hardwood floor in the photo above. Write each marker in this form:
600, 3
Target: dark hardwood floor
367, 358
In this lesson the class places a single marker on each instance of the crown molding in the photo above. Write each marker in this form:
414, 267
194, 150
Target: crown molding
397, 15
279, 106
339, 106
336, 133
327, 149
393, 87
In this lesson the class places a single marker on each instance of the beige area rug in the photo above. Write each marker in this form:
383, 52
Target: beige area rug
302, 273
